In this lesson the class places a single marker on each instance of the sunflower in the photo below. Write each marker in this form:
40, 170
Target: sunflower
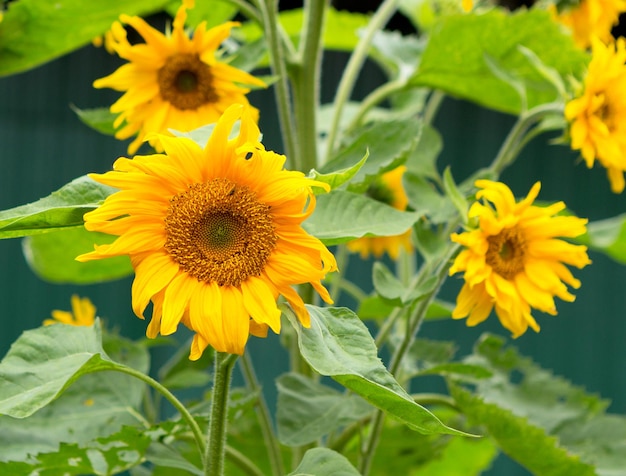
214, 235
591, 19
514, 260
598, 116
172, 81
388, 189
83, 313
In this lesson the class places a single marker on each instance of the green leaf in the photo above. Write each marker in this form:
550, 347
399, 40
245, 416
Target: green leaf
43, 362
104, 456
607, 236
388, 143
452, 191
463, 40
398, 54
164, 456
61, 209
339, 345
36, 31
91, 407
52, 257
391, 289
508, 78
430, 241
338, 178
322, 461
342, 216
308, 410
180, 372
427, 200
101, 119
213, 13
423, 159
375, 307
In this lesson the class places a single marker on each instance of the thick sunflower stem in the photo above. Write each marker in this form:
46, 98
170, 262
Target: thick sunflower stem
355, 63
520, 134
216, 443
414, 322
305, 78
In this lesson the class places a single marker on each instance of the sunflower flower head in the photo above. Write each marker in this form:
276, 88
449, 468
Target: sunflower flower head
388, 189
591, 19
172, 81
83, 314
597, 116
514, 261
214, 235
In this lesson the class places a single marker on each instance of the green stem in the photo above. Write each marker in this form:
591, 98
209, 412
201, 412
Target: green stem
516, 138
247, 10
243, 462
269, 14
169, 396
263, 414
216, 444
377, 96
355, 63
305, 77
415, 319
432, 106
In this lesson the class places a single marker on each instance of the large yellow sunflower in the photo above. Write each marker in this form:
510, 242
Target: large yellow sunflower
592, 19
172, 81
514, 260
388, 189
214, 235
83, 314
598, 116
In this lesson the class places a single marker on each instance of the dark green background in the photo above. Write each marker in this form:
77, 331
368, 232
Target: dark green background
43, 146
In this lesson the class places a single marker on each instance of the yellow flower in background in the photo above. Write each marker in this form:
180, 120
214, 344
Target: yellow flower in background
598, 116
83, 313
214, 235
388, 189
514, 261
591, 19
467, 5
107, 40
172, 81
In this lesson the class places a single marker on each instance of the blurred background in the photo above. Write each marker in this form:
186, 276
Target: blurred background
43, 145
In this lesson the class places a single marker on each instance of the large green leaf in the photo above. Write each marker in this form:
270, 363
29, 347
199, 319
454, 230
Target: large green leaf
52, 256
35, 31
308, 410
342, 216
91, 407
322, 461
61, 209
339, 345
607, 236
464, 40
388, 144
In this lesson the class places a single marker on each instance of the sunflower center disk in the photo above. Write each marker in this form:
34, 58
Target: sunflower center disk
506, 252
186, 82
218, 231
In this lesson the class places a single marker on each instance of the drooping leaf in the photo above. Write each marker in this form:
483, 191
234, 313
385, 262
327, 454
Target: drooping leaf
464, 39
308, 410
607, 236
427, 200
318, 461
339, 177
388, 143
101, 119
339, 345
391, 289
33, 32
398, 54
61, 209
342, 216
455, 195
423, 158
52, 256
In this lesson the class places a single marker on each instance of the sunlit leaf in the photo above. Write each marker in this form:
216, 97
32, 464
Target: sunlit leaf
61, 209
339, 345
398, 54
52, 256
339, 177
35, 31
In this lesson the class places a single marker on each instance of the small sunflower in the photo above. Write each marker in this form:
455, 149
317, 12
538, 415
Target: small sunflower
388, 189
514, 260
591, 19
214, 235
172, 81
598, 116
83, 313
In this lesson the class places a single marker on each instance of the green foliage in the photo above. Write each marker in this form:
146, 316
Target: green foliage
213, 13
35, 31
464, 40
342, 216
339, 177
339, 345
52, 256
324, 461
607, 236
100, 119
61, 209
